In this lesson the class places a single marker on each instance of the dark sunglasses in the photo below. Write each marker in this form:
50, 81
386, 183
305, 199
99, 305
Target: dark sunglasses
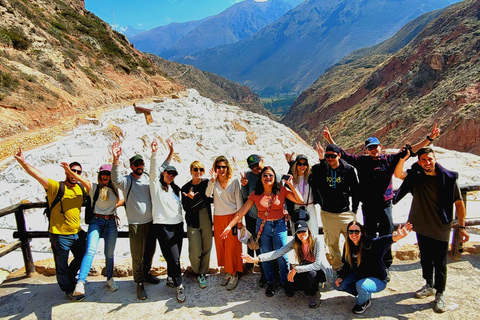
221, 167
331, 156
266, 175
198, 169
301, 231
353, 231
138, 164
105, 173
372, 147
172, 173
76, 171
302, 164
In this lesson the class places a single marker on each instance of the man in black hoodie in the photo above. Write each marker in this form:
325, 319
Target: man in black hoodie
333, 182
434, 191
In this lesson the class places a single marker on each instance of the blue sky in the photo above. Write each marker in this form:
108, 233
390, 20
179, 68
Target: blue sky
148, 14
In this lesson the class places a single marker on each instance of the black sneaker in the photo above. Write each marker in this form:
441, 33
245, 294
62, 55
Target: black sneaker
361, 308
262, 283
270, 291
151, 279
289, 293
314, 301
141, 294
76, 298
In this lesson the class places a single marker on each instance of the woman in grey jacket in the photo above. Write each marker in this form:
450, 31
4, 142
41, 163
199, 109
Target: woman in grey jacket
312, 267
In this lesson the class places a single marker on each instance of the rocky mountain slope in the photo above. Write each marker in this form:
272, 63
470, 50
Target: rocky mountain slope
291, 53
435, 78
237, 22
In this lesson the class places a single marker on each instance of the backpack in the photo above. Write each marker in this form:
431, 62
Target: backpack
89, 209
58, 199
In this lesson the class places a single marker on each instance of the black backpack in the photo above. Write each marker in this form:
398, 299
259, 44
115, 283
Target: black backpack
58, 199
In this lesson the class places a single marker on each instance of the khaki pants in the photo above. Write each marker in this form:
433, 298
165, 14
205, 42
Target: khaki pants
200, 243
335, 224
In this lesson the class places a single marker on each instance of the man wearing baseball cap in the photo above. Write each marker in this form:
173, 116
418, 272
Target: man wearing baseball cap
375, 171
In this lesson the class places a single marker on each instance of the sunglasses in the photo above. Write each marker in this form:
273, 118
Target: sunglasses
105, 173
199, 169
372, 147
301, 231
76, 171
172, 173
267, 175
302, 164
221, 167
353, 231
138, 164
331, 156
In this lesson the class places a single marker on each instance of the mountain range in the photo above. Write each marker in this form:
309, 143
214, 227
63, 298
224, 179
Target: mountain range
398, 96
237, 22
291, 53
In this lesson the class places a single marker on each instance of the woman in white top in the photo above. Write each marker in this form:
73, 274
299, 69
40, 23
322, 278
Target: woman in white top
167, 226
227, 200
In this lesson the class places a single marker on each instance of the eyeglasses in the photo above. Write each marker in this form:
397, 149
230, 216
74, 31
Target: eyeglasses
266, 175
301, 231
353, 231
331, 156
302, 164
221, 167
199, 169
372, 147
172, 173
138, 164
76, 171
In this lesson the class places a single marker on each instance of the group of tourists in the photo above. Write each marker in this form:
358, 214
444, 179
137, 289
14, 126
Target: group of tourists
154, 206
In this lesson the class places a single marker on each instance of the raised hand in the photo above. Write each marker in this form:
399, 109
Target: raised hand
170, 145
116, 150
190, 193
243, 179
154, 145
19, 155
67, 169
402, 232
320, 150
213, 175
435, 132
289, 156
327, 135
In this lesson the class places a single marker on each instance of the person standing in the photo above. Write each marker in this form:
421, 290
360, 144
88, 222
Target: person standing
227, 199
105, 201
198, 215
375, 171
333, 182
65, 232
138, 207
435, 190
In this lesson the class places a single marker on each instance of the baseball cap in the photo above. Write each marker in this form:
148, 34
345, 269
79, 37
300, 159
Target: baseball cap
105, 167
301, 157
333, 148
253, 160
372, 141
301, 225
135, 158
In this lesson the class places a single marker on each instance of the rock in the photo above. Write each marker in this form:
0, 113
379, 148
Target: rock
471, 247
408, 252
45, 267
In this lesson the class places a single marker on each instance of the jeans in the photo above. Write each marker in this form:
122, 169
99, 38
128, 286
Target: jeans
273, 237
356, 284
99, 227
377, 218
61, 246
433, 255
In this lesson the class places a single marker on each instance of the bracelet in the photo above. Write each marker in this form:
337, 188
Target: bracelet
461, 227
430, 139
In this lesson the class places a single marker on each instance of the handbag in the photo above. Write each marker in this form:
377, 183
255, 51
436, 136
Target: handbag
244, 235
301, 213
252, 242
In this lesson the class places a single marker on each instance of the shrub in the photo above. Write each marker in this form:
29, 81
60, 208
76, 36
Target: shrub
16, 36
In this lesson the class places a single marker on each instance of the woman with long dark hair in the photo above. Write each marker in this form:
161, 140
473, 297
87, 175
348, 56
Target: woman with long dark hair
103, 224
269, 197
364, 271
312, 263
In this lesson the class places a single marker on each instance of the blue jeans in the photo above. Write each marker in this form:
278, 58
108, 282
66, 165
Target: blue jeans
61, 246
356, 284
273, 237
99, 227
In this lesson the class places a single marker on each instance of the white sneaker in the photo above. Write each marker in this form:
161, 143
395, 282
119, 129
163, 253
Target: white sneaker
424, 292
112, 285
181, 294
79, 289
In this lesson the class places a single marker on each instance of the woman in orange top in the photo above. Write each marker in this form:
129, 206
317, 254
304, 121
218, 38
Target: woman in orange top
269, 197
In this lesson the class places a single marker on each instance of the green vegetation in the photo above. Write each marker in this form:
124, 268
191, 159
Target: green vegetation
278, 105
16, 37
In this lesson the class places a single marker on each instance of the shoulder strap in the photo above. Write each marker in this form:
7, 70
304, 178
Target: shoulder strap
130, 188
59, 196
95, 197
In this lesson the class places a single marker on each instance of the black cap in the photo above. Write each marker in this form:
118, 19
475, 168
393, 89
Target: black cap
301, 225
253, 160
301, 157
171, 168
333, 148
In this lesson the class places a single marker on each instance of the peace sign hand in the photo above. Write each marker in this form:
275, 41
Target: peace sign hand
243, 180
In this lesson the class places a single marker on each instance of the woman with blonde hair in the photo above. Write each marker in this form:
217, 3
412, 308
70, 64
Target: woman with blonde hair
227, 200
198, 215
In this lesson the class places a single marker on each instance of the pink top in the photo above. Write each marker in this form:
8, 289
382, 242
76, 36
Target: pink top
261, 201
309, 258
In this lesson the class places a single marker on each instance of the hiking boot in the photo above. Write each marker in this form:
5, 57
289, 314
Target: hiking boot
226, 280
148, 277
112, 285
314, 301
170, 283
270, 291
361, 308
79, 289
425, 292
76, 298
262, 283
232, 284
202, 281
141, 294
181, 294
439, 304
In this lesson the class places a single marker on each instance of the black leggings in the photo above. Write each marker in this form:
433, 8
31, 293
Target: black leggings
306, 281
